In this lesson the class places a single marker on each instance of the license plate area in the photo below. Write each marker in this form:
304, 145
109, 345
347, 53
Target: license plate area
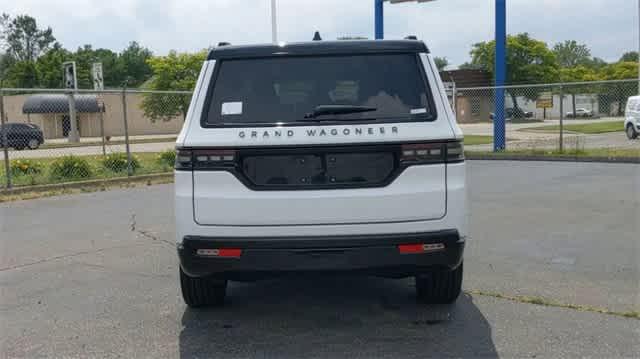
314, 168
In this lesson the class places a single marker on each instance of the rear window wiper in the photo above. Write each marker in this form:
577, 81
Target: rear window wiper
337, 110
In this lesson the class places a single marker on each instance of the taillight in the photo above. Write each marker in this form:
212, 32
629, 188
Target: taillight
184, 160
431, 152
213, 159
205, 159
455, 151
422, 153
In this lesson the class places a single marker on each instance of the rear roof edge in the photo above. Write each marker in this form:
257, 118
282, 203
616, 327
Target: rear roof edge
345, 47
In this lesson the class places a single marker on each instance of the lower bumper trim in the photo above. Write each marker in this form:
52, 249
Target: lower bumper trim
368, 254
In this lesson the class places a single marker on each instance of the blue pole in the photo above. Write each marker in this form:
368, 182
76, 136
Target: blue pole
500, 75
379, 18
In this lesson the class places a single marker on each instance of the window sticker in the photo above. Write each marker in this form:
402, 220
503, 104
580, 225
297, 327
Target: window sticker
231, 108
417, 111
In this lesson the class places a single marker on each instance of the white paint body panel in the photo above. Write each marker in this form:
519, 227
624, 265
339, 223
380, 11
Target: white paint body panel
220, 199
632, 113
421, 199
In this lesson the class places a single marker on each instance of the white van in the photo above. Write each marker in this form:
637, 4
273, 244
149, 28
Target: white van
632, 117
320, 157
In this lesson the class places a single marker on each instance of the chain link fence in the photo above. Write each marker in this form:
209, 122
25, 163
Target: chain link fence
107, 134
120, 133
571, 118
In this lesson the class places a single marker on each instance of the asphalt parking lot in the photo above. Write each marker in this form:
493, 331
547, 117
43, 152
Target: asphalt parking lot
95, 275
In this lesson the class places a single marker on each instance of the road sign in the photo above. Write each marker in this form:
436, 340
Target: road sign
545, 100
96, 75
69, 75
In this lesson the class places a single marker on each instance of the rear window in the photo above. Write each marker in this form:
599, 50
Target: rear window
274, 91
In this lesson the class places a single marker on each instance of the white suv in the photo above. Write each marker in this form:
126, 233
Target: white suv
320, 157
632, 118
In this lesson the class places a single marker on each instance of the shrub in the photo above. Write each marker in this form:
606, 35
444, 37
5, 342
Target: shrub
117, 162
166, 158
25, 167
70, 167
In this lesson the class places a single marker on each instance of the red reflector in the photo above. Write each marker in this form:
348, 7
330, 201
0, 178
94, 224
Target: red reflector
230, 252
411, 248
225, 252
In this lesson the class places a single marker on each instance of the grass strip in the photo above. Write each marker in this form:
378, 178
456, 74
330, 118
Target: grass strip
470, 140
586, 128
86, 187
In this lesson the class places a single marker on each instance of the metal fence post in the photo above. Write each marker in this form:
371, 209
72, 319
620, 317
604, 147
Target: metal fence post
5, 143
126, 130
561, 144
454, 97
104, 147
74, 136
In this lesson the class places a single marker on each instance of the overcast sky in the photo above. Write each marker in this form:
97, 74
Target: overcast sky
449, 27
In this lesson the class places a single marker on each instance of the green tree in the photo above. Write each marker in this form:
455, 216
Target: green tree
134, 61
595, 63
617, 94
84, 57
441, 62
6, 61
176, 71
22, 38
470, 66
631, 56
571, 54
22, 74
621, 71
49, 66
578, 73
529, 61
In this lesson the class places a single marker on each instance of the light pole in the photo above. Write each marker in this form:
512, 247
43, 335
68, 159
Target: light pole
500, 76
638, 46
274, 25
379, 14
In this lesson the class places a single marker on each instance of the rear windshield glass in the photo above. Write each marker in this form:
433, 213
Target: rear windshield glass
285, 90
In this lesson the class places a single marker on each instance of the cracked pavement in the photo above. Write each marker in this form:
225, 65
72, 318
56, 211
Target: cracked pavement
95, 275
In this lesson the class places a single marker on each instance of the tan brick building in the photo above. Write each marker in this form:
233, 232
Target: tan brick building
50, 113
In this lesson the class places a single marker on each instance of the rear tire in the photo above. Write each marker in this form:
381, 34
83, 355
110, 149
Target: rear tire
33, 144
202, 292
439, 286
631, 132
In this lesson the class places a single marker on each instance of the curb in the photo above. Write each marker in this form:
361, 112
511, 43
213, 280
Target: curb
631, 160
88, 183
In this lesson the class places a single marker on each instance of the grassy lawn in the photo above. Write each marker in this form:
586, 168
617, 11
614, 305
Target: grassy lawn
586, 128
149, 163
595, 152
470, 140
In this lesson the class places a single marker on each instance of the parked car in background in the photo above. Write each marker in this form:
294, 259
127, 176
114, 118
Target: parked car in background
632, 118
511, 113
580, 112
21, 136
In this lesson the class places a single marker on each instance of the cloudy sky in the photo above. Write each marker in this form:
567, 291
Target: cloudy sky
449, 27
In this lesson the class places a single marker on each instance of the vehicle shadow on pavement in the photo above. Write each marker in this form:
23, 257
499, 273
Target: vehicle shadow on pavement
325, 316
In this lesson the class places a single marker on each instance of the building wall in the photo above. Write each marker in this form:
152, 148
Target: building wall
89, 126
473, 109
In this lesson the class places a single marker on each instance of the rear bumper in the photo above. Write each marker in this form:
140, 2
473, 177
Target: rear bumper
366, 254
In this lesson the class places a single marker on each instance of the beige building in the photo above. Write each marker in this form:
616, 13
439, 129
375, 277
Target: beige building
50, 113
